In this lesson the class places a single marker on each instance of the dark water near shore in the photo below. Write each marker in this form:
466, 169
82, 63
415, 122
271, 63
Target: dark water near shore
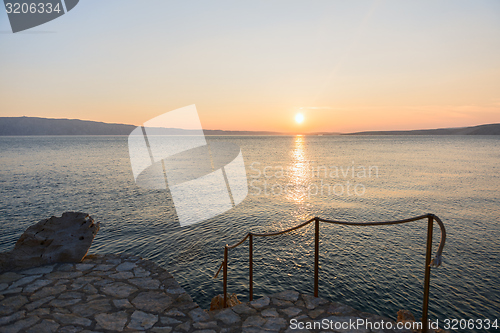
378, 269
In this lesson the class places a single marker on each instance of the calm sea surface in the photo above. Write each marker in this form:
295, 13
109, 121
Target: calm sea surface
291, 179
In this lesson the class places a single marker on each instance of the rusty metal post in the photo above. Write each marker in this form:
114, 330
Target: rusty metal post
250, 266
425, 306
316, 256
224, 285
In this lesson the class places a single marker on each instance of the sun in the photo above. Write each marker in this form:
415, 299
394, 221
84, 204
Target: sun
299, 118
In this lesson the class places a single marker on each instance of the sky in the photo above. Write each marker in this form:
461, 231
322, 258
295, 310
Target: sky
346, 66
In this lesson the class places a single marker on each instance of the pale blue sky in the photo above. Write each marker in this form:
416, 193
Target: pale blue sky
252, 65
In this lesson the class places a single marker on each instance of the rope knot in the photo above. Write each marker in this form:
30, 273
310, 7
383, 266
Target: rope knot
437, 261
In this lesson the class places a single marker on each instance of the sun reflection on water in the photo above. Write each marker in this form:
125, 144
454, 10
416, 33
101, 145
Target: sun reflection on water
298, 172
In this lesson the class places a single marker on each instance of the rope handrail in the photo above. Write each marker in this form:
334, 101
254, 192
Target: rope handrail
261, 235
284, 231
436, 262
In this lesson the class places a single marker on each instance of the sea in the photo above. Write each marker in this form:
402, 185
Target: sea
291, 179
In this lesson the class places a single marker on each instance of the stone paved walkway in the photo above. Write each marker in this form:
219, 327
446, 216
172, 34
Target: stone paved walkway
123, 293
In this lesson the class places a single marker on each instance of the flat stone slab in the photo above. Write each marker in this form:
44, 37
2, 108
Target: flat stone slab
261, 302
287, 295
124, 293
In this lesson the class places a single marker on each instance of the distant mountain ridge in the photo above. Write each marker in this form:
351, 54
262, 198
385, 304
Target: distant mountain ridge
488, 129
48, 126
27, 126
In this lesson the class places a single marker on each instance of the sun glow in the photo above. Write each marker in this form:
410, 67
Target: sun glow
299, 118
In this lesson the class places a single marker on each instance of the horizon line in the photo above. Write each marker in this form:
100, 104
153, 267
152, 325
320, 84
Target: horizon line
275, 133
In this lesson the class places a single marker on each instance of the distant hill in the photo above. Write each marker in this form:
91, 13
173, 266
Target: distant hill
221, 132
47, 126
489, 129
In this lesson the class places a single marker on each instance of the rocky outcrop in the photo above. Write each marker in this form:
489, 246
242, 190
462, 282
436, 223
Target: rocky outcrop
405, 316
57, 239
217, 302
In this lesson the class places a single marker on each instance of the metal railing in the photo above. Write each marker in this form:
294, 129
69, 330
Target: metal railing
428, 262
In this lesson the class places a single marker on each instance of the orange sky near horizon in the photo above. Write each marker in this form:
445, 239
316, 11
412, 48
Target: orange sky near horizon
347, 67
